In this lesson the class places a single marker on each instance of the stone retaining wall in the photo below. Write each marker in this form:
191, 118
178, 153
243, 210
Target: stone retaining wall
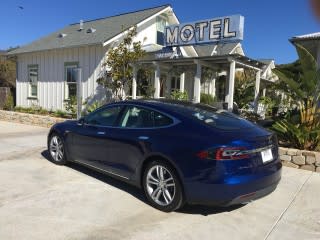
32, 119
302, 159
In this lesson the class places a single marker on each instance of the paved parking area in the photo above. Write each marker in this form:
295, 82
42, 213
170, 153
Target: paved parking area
39, 200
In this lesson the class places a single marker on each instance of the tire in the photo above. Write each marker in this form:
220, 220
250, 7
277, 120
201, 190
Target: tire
162, 186
56, 150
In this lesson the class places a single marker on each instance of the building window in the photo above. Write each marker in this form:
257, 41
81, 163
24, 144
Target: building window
161, 25
175, 83
33, 75
70, 80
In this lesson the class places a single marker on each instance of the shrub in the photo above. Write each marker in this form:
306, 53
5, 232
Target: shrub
178, 95
8, 104
60, 113
71, 106
206, 98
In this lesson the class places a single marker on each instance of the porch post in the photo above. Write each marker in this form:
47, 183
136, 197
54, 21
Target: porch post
256, 91
182, 76
231, 85
134, 82
197, 84
157, 81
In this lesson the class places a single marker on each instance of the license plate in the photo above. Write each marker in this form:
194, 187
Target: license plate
266, 155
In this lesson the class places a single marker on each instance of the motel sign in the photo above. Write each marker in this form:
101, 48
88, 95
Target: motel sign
223, 29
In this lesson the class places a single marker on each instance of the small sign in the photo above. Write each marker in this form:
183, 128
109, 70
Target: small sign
168, 52
222, 29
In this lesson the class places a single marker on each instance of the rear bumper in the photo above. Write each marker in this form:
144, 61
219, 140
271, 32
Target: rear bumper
234, 189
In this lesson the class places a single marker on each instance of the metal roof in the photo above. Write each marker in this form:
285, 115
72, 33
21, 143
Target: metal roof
219, 49
106, 28
310, 36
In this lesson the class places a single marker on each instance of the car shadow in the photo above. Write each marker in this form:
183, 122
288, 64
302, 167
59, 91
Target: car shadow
138, 193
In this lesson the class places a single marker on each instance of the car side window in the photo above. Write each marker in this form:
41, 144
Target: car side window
137, 117
160, 120
104, 117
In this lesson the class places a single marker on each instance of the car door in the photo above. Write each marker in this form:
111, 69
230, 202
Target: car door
91, 140
133, 138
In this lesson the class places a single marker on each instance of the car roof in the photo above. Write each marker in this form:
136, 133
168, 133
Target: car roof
170, 106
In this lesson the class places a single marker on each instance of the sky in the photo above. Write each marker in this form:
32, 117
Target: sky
267, 28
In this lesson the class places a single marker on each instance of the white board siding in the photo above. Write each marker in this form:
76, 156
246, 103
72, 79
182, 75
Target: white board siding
51, 84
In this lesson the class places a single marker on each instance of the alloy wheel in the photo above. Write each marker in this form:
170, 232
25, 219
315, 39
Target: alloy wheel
160, 185
56, 149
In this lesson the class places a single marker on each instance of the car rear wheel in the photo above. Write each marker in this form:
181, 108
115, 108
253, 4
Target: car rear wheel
162, 186
57, 150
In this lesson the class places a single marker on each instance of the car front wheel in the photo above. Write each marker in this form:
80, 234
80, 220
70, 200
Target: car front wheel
162, 186
57, 150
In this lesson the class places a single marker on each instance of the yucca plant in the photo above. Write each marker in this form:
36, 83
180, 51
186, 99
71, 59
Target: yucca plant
302, 129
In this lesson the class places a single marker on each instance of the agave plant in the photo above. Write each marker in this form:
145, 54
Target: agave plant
302, 130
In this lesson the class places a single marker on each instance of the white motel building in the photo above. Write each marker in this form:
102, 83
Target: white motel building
178, 54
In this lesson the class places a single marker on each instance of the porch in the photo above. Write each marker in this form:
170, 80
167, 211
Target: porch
214, 75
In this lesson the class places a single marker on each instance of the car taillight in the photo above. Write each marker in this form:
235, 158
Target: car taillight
224, 153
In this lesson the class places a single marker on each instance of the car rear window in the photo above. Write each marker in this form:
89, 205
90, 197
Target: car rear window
220, 119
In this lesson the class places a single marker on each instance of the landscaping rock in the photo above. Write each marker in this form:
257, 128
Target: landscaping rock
308, 167
282, 151
318, 169
310, 160
292, 152
286, 158
299, 160
317, 159
308, 153
32, 119
290, 164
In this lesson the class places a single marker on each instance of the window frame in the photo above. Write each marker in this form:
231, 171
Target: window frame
175, 121
30, 85
67, 65
160, 30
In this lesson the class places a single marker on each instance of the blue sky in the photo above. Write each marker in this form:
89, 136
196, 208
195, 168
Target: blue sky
268, 24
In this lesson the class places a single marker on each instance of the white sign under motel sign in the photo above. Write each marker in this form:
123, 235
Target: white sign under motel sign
223, 29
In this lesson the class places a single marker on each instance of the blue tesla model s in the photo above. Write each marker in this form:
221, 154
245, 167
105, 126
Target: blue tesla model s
175, 151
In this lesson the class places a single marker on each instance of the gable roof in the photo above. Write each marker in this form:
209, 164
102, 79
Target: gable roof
220, 49
105, 29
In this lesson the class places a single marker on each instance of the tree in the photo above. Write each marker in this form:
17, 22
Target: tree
7, 73
301, 128
119, 64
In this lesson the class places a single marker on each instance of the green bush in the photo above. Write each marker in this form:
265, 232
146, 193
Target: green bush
71, 106
206, 98
8, 104
60, 113
178, 95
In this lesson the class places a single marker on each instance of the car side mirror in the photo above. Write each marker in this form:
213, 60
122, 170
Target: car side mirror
81, 121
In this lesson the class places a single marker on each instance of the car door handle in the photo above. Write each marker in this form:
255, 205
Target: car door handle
101, 133
143, 137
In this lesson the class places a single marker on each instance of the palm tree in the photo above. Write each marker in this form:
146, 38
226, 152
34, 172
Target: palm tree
301, 129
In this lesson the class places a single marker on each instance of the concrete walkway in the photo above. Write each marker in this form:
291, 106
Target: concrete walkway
39, 200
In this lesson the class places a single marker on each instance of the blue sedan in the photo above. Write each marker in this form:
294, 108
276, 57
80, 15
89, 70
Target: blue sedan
177, 152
